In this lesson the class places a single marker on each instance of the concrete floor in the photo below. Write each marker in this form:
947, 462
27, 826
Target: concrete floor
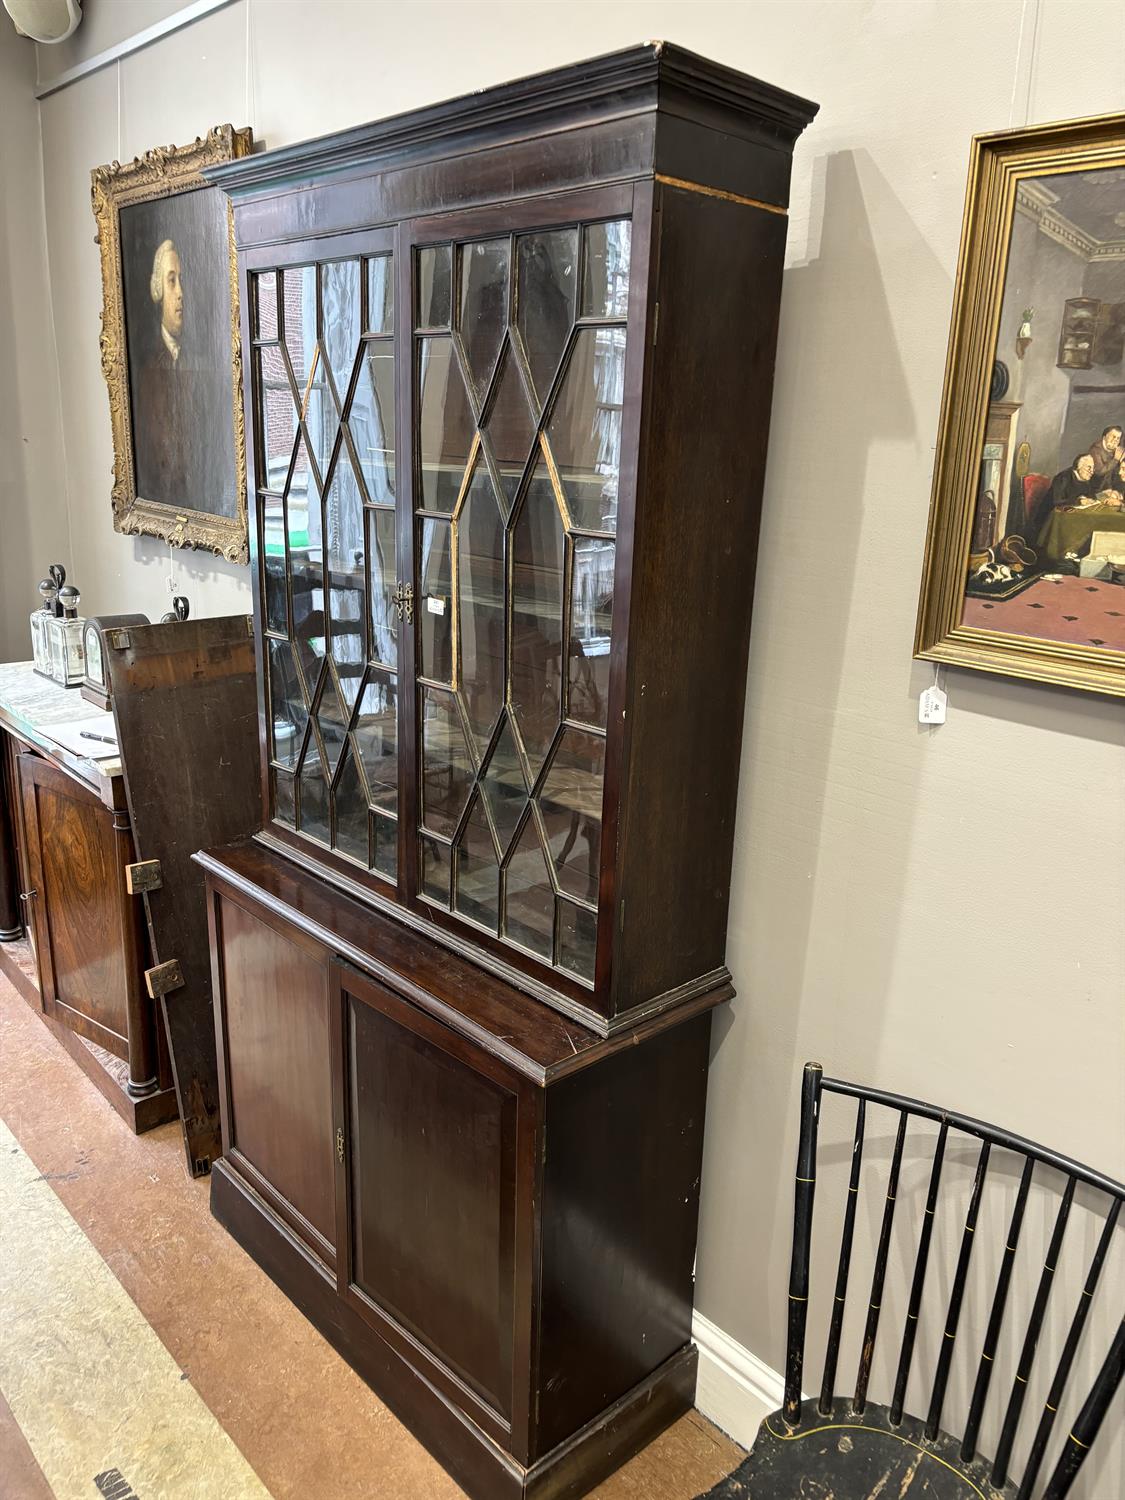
268, 1405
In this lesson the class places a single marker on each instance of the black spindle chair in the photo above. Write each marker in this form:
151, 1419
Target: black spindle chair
850, 1448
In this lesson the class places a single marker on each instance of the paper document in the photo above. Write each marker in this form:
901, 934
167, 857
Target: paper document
75, 737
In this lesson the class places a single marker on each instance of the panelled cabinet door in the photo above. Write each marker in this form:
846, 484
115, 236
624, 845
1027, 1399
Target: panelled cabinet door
519, 352
323, 378
428, 1162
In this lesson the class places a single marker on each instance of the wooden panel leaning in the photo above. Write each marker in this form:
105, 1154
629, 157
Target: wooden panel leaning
887, 1445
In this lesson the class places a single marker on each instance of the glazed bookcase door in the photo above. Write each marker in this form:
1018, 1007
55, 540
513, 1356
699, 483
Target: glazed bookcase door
324, 404
519, 350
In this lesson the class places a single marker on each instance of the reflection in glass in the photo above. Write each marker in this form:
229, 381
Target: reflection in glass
279, 431
287, 704
510, 428
332, 718
381, 586
480, 605
537, 615
273, 562
503, 787
605, 279
578, 939
299, 292
386, 845
307, 582
380, 295
447, 771
476, 887
434, 298
376, 735
343, 514
571, 804
322, 421
284, 798
530, 898
445, 426
433, 856
265, 301
546, 265
314, 797
351, 811
339, 310
591, 614
371, 421
585, 427
435, 601
484, 307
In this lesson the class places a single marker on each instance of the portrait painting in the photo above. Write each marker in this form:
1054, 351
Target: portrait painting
171, 349
1025, 562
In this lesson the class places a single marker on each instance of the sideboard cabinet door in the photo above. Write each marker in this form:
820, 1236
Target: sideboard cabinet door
431, 1191
275, 1038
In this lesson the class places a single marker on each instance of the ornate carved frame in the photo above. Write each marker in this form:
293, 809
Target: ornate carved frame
162, 173
1000, 162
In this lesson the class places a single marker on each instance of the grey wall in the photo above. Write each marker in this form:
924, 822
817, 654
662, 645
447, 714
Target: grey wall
937, 912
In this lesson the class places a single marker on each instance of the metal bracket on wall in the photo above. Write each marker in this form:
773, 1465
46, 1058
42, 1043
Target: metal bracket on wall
145, 875
163, 977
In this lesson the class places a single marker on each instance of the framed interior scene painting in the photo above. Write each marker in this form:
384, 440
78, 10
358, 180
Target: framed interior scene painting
1025, 556
171, 348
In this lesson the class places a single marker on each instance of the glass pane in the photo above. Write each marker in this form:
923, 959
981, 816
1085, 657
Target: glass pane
546, 267
510, 427
302, 491
284, 804
530, 898
434, 299
322, 421
578, 939
307, 581
265, 292
314, 797
380, 295
287, 703
376, 736
591, 614
447, 770
273, 562
571, 803
344, 525
382, 569
503, 786
273, 369
386, 846
435, 601
279, 432
484, 307
299, 293
537, 615
476, 892
351, 811
480, 605
371, 422
332, 718
339, 311
434, 874
605, 279
585, 427
446, 426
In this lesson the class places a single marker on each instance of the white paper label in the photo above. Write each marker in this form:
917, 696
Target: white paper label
435, 605
931, 706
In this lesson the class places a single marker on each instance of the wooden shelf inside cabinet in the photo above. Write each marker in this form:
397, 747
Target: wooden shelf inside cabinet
507, 379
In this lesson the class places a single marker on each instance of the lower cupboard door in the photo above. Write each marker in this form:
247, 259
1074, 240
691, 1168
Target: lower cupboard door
430, 1194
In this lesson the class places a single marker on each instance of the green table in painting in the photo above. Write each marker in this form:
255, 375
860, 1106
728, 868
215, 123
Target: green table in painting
1070, 530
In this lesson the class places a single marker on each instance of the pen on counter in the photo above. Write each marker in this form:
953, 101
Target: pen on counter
88, 734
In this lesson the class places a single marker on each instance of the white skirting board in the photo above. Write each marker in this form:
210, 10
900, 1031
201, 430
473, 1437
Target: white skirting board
735, 1389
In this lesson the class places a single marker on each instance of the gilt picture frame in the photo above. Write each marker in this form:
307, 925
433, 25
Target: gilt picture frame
1024, 570
171, 345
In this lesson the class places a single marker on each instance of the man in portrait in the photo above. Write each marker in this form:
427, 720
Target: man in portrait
1107, 454
168, 402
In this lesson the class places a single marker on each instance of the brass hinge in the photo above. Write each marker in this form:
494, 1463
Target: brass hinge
339, 1144
145, 875
403, 600
163, 977
118, 640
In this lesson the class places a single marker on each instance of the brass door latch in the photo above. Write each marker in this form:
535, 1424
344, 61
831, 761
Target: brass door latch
403, 601
339, 1144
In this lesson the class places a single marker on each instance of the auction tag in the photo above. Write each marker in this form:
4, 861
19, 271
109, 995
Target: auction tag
931, 706
435, 604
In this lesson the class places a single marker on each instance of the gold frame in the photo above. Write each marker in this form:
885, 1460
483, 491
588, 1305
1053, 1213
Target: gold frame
998, 163
162, 173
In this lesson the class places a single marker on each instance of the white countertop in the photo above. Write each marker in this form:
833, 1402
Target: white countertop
31, 705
